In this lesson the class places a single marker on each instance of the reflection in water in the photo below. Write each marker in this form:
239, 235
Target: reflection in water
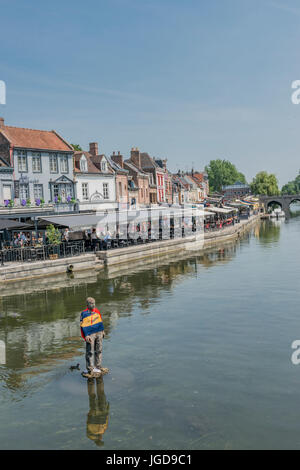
176, 388
197, 346
97, 417
294, 210
2, 353
39, 330
269, 232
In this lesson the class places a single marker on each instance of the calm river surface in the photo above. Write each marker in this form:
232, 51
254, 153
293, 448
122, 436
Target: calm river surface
199, 351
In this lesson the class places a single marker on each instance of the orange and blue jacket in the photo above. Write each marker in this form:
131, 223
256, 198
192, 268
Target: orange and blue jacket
90, 322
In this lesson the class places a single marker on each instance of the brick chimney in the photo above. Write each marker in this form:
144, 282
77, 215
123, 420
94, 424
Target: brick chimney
135, 157
94, 148
1, 123
117, 159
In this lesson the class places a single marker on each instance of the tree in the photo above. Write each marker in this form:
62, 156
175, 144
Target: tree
76, 147
222, 173
265, 184
292, 187
53, 234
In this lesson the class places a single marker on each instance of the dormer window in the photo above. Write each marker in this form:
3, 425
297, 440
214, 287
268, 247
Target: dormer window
103, 166
83, 164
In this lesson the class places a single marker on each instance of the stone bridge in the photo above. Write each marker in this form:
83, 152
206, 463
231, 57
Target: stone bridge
284, 201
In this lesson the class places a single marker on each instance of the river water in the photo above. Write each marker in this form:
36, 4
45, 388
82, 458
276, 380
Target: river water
199, 351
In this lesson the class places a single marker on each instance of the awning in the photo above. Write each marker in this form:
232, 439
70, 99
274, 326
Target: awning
221, 210
73, 222
248, 203
231, 208
88, 221
208, 213
8, 224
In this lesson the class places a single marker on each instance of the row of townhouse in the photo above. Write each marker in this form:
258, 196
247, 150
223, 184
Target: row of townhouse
40, 165
190, 188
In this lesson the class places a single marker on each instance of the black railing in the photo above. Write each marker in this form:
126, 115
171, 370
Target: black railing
43, 252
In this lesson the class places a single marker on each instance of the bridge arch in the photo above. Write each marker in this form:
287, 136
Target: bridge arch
295, 199
284, 201
274, 202
294, 210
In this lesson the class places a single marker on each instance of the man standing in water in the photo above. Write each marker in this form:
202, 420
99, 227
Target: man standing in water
92, 331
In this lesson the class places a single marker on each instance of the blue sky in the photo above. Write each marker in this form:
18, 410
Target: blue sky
187, 80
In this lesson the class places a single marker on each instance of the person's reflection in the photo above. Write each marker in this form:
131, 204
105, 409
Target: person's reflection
97, 417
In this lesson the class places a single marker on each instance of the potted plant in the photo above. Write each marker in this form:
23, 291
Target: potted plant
23, 202
54, 237
39, 202
6, 202
28, 202
11, 203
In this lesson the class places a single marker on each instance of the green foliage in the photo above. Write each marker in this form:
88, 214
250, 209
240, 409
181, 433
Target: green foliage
292, 187
222, 173
76, 147
265, 184
53, 235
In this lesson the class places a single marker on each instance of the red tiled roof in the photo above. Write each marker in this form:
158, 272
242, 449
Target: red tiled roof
91, 168
97, 159
35, 139
93, 162
199, 177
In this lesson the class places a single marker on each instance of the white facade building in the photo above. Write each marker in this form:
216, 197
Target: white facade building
95, 182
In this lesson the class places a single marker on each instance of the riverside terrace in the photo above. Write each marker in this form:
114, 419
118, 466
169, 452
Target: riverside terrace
78, 234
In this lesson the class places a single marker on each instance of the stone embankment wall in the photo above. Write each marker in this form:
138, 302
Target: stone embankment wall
21, 271
90, 261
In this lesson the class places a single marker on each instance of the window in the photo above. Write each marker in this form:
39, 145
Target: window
64, 167
36, 162
103, 165
24, 191
105, 191
120, 189
55, 190
83, 164
85, 191
53, 163
22, 161
38, 191
6, 192
69, 190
